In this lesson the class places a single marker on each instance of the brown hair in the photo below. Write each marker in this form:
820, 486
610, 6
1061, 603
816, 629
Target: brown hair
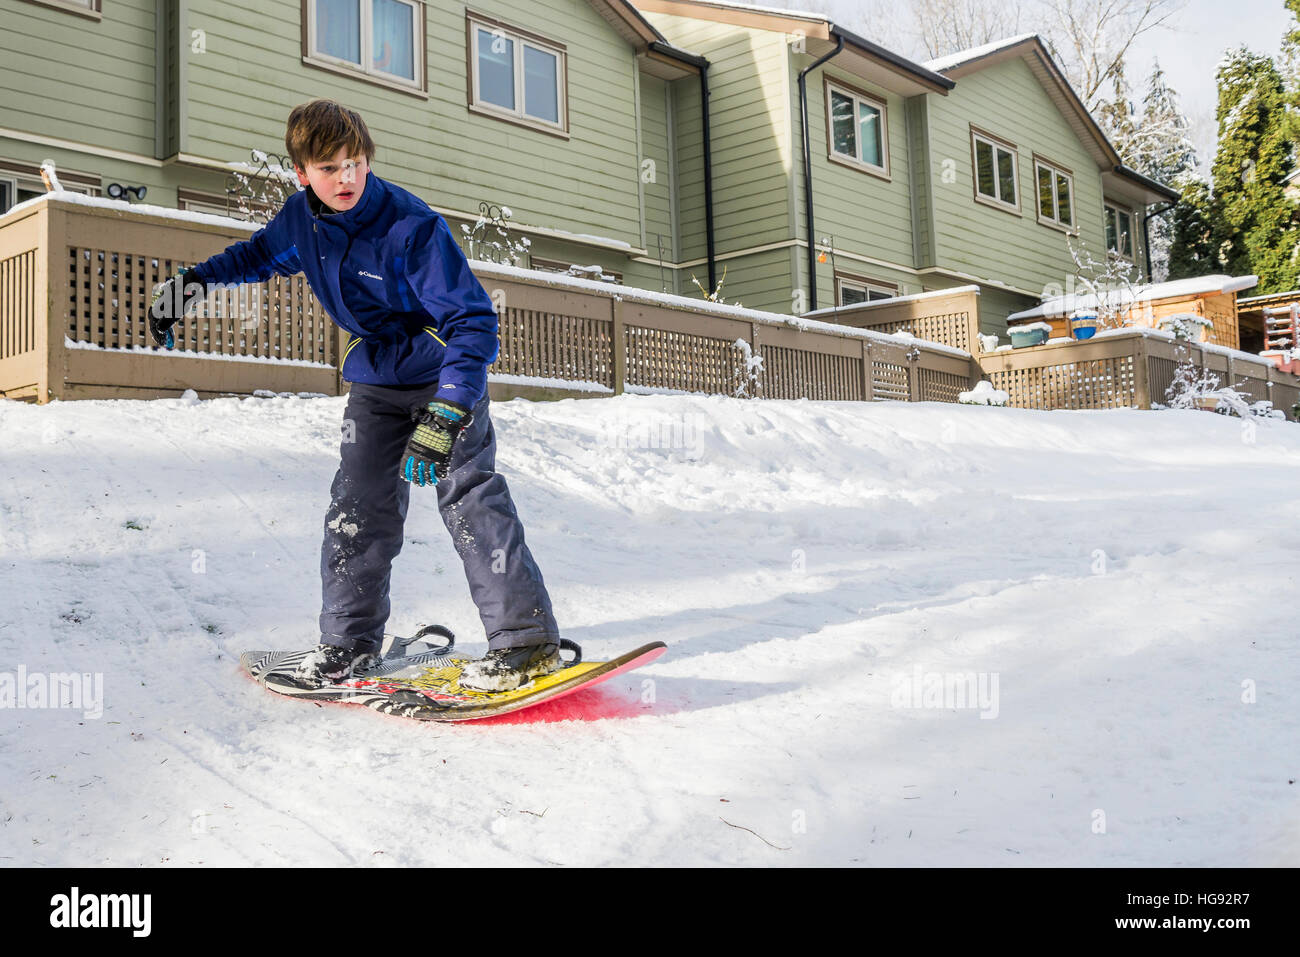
317, 130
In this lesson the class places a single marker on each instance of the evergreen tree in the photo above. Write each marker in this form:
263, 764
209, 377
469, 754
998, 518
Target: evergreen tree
1194, 245
1251, 212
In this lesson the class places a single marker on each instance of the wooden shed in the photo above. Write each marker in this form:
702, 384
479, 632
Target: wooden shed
1210, 297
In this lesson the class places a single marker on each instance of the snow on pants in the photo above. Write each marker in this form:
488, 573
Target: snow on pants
363, 527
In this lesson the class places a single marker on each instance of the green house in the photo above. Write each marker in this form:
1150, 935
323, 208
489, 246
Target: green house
667, 144
977, 168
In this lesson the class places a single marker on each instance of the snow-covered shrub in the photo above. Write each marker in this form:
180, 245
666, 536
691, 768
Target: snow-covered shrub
716, 295
749, 367
984, 394
1186, 326
1189, 385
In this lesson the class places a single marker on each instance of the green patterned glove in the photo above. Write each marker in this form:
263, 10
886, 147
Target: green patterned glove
429, 449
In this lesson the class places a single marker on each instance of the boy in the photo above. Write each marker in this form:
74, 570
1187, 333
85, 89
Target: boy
424, 331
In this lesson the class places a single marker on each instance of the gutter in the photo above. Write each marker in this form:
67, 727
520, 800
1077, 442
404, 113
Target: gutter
918, 72
807, 170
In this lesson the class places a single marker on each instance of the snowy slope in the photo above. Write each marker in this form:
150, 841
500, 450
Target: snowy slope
1127, 579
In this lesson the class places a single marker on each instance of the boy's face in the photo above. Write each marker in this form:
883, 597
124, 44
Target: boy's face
338, 181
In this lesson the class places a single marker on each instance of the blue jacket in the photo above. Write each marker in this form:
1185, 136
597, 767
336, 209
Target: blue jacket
389, 272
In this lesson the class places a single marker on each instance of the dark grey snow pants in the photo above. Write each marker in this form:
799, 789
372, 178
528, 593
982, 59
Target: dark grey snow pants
363, 527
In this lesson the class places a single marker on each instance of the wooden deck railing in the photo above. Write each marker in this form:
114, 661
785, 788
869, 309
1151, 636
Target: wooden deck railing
76, 281
1130, 369
950, 316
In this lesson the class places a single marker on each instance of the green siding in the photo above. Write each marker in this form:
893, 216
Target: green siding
688, 133
753, 159
69, 77
865, 214
918, 144
1007, 100
241, 90
655, 149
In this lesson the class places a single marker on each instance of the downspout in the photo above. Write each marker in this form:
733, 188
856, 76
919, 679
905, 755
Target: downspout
708, 176
1146, 232
807, 173
703, 66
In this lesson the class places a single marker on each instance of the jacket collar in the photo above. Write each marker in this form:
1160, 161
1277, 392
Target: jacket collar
359, 216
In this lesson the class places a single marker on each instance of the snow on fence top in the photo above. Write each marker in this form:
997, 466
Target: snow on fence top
122, 206
894, 300
558, 280
1149, 333
671, 301
1178, 289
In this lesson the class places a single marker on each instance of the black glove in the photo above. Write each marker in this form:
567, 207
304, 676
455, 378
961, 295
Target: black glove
429, 449
174, 298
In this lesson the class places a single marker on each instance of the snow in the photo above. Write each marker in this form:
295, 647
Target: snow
1177, 289
895, 300
69, 343
576, 385
939, 64
1235, 354
984, 394
484, 270
121, 205
815, 568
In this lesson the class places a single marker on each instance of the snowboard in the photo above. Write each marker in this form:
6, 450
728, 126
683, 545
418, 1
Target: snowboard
422, 685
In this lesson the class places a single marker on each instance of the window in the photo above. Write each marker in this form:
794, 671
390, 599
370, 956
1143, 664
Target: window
996, 171
1119, 230
83, 8
20, 182
518, 76
855, 124
382, 39
851, 292
1055, 195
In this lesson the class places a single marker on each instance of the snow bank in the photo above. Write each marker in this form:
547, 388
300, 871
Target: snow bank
898, 634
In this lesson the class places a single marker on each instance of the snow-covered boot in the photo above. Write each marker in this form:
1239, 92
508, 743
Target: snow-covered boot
507, 668
329, 664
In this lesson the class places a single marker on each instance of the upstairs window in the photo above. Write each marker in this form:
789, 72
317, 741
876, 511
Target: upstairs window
856, 123
1119, 230
1055, 195
382, 39
855, 291
996, 171
517, 76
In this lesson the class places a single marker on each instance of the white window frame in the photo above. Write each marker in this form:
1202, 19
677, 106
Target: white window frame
317, 57
866, 286
1118, 210
1055, 221
858, 96
996, 144
521, 41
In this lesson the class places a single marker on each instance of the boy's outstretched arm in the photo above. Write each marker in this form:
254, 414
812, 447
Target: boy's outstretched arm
466, 319
267, 252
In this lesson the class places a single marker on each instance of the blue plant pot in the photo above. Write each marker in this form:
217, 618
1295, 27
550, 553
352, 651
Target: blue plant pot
1085, 332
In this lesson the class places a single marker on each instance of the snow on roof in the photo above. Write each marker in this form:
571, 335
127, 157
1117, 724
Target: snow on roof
895, 300
939, 64
1178, 289
121, 205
